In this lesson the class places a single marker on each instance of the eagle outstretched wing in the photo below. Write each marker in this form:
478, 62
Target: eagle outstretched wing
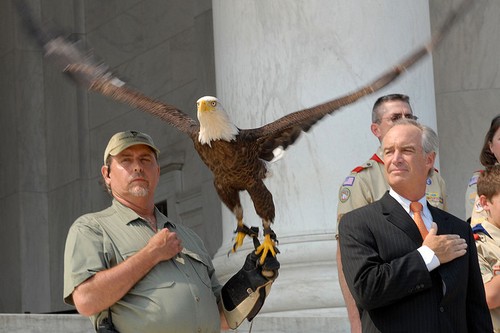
235, 156
84, 68
285, 130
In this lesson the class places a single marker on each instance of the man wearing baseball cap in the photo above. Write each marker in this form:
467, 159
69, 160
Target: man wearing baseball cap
122, 140
128, 267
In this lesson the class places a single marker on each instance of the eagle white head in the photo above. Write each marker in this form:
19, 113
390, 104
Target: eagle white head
214, 121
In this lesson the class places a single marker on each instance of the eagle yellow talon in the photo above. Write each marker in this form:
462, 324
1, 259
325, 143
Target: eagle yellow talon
266, 247
240, 236
241, 232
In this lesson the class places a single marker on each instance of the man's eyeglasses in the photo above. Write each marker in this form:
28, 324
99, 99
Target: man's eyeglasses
397, 116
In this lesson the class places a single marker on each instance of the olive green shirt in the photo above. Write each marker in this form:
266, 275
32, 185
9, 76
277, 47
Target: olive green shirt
488, 252
367, 184
178, 295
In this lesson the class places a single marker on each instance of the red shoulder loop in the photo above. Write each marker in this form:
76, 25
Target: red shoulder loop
376, 159
373, 158
357, 169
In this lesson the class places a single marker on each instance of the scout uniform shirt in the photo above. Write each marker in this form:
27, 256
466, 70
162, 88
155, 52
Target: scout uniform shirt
473, 208
487, 238
367, 184
178, 295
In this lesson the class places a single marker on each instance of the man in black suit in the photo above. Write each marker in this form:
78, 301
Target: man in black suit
404, 279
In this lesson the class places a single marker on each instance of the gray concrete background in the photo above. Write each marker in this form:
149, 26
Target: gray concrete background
54, 133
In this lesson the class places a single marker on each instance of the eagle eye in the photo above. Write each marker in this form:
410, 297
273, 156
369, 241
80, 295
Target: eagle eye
214, 103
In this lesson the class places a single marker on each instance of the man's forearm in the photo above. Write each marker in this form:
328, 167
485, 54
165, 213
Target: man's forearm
107, 287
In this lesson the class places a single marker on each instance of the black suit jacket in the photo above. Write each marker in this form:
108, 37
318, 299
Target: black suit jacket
390, 282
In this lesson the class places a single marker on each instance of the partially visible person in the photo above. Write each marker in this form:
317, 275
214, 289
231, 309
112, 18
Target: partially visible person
487, 235
490, 154
130, 268
367, 183
410, 266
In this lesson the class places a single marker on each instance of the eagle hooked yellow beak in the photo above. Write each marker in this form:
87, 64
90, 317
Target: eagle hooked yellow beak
206, 105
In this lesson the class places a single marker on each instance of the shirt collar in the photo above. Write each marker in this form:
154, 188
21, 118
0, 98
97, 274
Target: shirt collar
491, 229
128, 215
405, 203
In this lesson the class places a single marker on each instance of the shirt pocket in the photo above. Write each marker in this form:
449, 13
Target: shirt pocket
201, 266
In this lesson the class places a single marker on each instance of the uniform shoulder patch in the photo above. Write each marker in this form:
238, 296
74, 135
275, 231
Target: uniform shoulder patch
349, 181
475, 177
344, 194
473, 180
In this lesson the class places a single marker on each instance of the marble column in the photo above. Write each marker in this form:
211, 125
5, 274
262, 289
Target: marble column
467, 92
276, 57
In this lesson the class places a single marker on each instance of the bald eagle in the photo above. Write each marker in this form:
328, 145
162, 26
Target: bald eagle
237, 157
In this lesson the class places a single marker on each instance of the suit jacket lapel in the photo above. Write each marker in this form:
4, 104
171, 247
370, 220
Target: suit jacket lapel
447, 271
441, 220
395, 214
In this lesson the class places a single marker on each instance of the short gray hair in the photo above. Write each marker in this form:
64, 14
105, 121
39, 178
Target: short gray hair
430, 141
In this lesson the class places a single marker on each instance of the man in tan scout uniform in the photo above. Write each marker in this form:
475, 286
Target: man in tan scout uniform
367, 183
